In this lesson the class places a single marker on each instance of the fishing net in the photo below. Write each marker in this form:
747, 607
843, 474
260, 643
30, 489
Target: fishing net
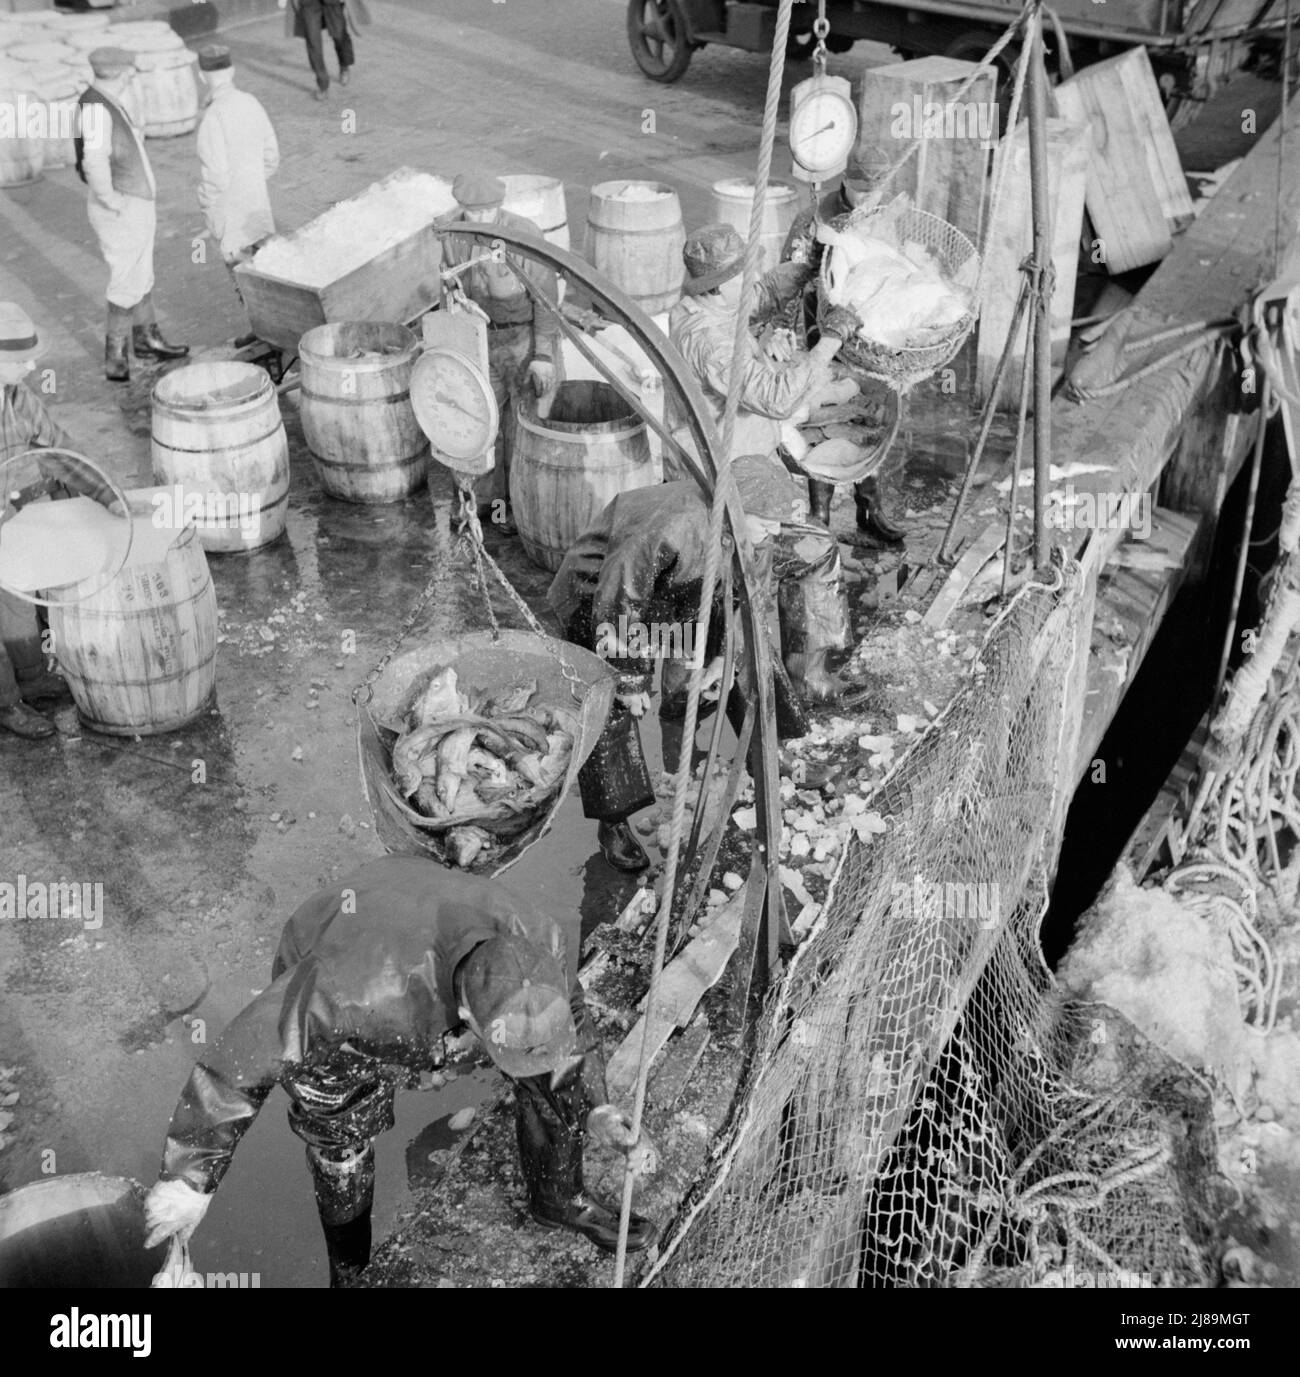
923, 1107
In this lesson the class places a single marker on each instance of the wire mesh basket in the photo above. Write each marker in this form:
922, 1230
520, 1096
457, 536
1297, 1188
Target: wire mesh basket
958, 261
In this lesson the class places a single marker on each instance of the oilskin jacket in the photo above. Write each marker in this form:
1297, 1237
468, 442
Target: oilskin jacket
362, 982
640, 564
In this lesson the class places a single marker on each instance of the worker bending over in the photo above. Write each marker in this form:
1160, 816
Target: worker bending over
370, 975
634, 578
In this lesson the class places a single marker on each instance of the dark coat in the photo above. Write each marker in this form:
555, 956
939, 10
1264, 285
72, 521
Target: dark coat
367, 962
357, 14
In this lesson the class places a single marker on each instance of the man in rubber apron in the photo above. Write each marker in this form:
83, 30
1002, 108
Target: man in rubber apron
629, 589
371, 973
523, 340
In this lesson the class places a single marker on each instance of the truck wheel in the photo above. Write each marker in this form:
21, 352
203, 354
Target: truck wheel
799, 46
839, 42
656, 32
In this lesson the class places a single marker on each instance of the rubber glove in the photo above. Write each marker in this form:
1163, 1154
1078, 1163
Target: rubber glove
173, 1209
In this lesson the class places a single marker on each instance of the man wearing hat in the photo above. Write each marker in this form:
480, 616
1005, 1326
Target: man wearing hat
523, 341
238, 151
25, 424
778, 388
310, 20
635, 575
370, 976
122, 211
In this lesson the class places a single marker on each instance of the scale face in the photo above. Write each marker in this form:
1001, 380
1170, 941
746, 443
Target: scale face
823, 126
453, 402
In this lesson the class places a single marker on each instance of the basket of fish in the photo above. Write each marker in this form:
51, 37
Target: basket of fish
469, 746
911, 279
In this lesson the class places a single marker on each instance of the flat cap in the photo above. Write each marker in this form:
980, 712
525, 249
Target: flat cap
712, 254
111, 62
214, 57
478, 190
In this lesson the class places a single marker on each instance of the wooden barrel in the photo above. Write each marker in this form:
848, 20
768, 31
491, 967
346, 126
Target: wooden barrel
47, 50
541, 200
58, 90
566, 468
635, 239
169, 91
219, 442
80, 1230
140, 655
733, 202
356, 410
21, 157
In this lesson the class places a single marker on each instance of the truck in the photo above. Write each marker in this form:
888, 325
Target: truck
1194, 45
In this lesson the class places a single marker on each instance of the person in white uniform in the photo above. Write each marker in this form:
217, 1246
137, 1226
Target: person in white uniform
112, 161
238, 151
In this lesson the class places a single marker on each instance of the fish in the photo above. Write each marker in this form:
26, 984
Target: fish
427, 800
453, 764
523, 727
439, 698
510, 701
466, 844
489, 768
409, 750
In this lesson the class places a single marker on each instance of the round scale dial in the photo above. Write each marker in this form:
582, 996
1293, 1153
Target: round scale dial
823, 125
453, 402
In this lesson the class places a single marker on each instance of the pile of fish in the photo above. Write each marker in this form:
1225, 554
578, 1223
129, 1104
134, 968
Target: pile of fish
894, 285
473, 757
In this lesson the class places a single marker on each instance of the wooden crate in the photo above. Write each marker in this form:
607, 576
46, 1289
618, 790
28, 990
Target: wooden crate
1009, 241
947, 175
1137, 193
397, 286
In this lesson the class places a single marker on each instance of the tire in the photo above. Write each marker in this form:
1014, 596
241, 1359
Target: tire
839, 43
656, 33
799, 46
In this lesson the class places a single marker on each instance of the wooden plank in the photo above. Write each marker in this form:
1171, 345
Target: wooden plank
1138, 599
678, 1065
1214, 265
976, 556
1146, 846
681, 987
1010, 239
905, 101
1137, 194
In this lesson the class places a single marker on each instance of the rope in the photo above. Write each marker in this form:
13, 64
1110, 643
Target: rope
1201, 331
723, 485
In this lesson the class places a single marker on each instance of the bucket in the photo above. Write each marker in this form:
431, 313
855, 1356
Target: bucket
217, 433
75, 1232
635, 239
733, 202
21, 158
567, 467
169, 92
140, 655
541, 200
356, 411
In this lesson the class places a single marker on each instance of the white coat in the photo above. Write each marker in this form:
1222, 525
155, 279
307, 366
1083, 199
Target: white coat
237, 153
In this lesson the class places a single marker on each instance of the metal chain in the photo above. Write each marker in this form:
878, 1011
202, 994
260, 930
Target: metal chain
367, 684
821, 32
473, 536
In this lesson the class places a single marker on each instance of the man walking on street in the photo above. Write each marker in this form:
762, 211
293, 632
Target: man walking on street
309, 20
112, 161
370, 975
237, 151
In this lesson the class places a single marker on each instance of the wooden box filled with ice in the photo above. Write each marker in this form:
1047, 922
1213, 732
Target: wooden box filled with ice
374, 256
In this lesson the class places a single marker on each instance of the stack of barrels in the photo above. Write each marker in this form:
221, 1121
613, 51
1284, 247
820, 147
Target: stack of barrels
45, 66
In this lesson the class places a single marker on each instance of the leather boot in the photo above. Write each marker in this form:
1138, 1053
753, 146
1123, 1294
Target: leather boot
820, 496
26, 722
596, 1220
117, 366
872, 516
619, 846
148, 343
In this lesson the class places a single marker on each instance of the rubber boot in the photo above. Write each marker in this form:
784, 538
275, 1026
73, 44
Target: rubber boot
344, 1180
619, 846
872, 516
550, 1125
117, 363
146, 339
820, 496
